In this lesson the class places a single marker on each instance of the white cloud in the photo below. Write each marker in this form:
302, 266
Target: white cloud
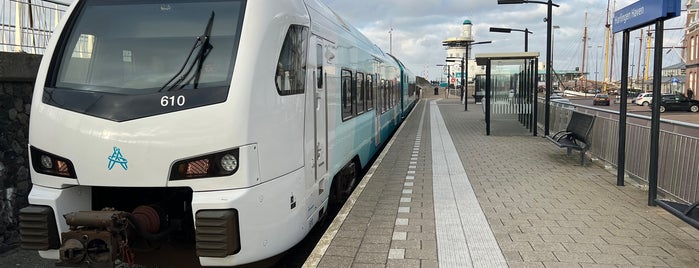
419, 26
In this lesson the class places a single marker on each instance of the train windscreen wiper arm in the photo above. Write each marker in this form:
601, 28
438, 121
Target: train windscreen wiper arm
202, 42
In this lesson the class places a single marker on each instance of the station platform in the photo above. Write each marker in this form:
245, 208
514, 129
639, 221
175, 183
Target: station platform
443, 194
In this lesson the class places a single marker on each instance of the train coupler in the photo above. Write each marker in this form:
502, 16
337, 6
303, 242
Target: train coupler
99, 238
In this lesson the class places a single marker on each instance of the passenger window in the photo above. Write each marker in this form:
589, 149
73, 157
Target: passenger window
347, 95
319, 63
369, 92
391, 93
291, 68
386, 95
382, 93
361, 102
379, 99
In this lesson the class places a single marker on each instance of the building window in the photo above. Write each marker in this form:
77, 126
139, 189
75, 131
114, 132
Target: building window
691, 48
692, 77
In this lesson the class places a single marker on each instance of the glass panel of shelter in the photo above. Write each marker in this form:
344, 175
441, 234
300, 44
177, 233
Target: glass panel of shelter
511, 95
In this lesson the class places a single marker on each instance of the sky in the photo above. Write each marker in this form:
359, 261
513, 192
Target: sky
420, 26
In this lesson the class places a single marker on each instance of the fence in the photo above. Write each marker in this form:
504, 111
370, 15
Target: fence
678, 166
26, 26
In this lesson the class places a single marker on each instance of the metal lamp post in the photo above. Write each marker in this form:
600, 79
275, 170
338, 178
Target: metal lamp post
549, 52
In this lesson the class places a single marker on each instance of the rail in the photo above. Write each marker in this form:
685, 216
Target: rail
26, 26
678, 167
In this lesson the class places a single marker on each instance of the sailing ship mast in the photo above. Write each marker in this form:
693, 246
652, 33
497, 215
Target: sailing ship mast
648, 40
582, 71
640, 49
606, 50
611, 62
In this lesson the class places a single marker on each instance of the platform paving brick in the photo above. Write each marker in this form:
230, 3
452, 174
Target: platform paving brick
543, 208
569, 215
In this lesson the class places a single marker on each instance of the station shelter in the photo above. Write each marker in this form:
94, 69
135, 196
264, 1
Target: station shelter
510, 89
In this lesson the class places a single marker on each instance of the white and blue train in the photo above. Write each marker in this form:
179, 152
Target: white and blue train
227, 126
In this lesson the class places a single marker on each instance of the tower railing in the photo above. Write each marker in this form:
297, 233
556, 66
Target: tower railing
27, 25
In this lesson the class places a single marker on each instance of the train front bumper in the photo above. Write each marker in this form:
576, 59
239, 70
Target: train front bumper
232, 227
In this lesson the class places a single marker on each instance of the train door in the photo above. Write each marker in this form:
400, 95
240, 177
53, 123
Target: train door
320, 120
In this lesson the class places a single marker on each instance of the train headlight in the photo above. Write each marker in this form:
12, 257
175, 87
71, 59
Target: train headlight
229, 162
50, 164
212, 165
46, 161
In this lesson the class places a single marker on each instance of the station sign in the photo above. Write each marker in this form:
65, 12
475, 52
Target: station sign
644, 12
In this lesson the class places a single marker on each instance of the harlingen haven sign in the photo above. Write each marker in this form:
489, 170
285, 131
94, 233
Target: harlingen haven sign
644, 12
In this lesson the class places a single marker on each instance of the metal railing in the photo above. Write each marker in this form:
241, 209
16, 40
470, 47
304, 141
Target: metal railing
26, 25
678, 161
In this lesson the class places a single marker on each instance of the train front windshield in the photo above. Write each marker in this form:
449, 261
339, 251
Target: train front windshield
135, 49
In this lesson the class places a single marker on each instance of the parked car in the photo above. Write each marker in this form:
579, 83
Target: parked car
643, 99
558, 98
677, 102
563, 102
601, 99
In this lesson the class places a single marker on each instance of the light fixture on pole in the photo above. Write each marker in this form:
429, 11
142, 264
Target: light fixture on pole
509, 30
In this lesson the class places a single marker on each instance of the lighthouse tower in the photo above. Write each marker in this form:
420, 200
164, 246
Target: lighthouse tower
459, 52
466, 30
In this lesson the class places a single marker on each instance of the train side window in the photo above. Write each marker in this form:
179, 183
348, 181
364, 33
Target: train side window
319, 63
369, 92
388, 95
381, 95
359, 89
396, 89
291, 67
347, 94
391, 95
385, 96
396, 94
379, 101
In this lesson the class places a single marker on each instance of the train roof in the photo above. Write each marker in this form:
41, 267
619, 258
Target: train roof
340, 24
400, 63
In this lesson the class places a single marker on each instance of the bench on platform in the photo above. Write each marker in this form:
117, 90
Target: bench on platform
576, 134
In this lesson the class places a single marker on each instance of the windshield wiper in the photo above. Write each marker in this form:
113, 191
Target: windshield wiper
202, 42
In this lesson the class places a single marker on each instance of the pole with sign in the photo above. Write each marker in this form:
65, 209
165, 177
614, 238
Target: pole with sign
636, 15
